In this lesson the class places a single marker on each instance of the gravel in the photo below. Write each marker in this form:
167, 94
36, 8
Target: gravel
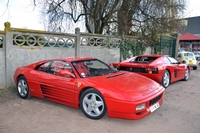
180, 113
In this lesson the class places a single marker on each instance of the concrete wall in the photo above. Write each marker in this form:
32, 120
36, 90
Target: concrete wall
21, 57
22, 47
104, 54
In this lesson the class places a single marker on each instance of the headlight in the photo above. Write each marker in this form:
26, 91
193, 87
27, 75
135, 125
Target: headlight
140, 107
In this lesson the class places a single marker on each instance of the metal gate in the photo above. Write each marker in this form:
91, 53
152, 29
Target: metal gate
168, 45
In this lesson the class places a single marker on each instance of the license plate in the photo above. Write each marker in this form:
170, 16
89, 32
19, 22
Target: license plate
154, 107
190, 62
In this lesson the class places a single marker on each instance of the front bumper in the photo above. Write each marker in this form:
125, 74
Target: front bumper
127, 110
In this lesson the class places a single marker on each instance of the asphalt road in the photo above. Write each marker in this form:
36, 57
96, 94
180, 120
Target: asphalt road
180, 113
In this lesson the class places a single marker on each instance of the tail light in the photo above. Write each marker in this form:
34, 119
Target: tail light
152, 70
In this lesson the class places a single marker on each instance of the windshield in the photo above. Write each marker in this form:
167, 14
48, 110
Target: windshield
143, 59
89, 68
188, 54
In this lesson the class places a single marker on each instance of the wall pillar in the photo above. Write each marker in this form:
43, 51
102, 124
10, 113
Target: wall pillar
8, 63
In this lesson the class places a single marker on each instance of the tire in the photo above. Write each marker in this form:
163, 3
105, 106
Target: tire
165, 79
22, 88
194, 68
92, 104
187, 75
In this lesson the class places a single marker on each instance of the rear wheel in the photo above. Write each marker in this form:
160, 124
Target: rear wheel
186, 74
194, 68
22, 88
92, 104
165, 79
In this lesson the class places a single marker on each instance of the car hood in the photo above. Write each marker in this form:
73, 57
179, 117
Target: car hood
126, 84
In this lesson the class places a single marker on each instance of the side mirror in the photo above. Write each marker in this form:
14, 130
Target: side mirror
115, 65
183, 62
66, 73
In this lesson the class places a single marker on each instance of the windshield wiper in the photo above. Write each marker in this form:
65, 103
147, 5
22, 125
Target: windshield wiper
115, 75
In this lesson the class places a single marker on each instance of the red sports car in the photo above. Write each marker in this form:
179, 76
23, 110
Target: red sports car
161, 68
92, 85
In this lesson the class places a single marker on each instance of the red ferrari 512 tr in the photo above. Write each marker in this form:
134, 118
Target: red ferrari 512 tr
91, 85
161, 68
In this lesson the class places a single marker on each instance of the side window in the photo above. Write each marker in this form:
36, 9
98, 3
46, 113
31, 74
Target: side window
167, 60
58, 65
43, 67
190, 54
172, 60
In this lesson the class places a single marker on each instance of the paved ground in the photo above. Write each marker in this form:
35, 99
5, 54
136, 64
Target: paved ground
180, 113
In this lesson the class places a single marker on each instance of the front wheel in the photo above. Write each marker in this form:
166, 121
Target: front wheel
22, 88
92, 104
165, 79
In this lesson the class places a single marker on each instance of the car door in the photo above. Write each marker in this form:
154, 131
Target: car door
179, 69
58, 88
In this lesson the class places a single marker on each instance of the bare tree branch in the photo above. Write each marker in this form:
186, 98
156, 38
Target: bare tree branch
7, 9
148, 18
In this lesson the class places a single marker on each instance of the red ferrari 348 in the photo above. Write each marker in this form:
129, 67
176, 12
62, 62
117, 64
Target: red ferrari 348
91, 85
161, 68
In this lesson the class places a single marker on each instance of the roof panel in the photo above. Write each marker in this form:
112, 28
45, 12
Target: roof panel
189, 37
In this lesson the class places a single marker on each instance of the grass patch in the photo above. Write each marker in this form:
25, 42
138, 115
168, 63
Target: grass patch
2, 92
5, 93
11, 88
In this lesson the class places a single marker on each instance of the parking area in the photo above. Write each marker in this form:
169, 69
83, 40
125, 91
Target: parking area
180, 113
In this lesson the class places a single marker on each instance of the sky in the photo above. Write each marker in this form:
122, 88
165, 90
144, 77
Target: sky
22, 14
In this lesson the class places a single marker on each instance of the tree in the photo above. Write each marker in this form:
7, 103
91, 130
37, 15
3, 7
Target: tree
97, 14
125, 16
161, 17
122, 16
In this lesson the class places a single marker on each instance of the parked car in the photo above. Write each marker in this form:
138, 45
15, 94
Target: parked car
161, 68
91, 85
197, 55
189, 58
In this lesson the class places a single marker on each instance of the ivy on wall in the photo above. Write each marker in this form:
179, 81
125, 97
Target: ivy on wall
129, 49
156, 47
